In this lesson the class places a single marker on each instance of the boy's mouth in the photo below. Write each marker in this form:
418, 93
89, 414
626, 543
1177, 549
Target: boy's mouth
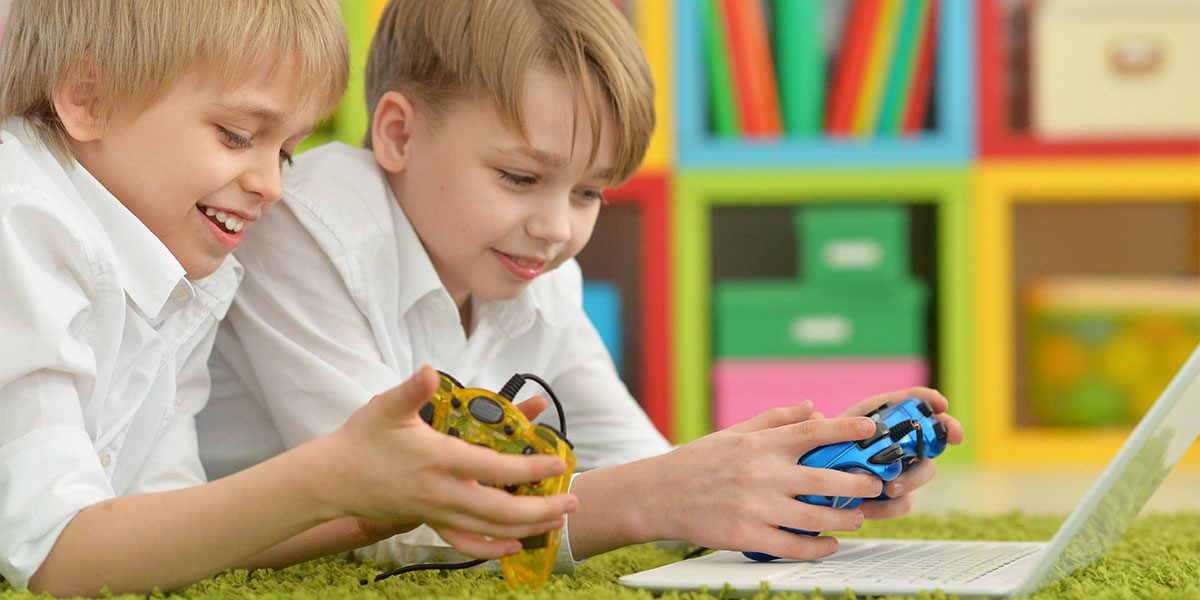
228, 222
522, 267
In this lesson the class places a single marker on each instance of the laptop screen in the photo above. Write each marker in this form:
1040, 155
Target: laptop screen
1156, 444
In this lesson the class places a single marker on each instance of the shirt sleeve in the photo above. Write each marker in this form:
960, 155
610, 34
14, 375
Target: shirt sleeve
607, 426
49, 470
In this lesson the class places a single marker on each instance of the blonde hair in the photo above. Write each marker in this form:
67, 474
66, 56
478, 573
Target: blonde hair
138, 48
442, 51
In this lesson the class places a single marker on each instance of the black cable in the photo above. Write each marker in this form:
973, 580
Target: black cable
423, 567
694, 553
562, 418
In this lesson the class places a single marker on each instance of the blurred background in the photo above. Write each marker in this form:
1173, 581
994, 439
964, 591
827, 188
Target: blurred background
998, 198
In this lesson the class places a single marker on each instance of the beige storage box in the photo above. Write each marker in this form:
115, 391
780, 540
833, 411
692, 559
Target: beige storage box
1115, 69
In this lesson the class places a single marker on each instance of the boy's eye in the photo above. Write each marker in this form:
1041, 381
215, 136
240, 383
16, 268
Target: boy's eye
285, 157
592, 195
232, 139
516, 178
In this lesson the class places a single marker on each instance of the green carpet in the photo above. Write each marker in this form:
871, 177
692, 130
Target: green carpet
1159, 557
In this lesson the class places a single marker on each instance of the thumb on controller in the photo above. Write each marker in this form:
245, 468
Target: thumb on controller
404, 400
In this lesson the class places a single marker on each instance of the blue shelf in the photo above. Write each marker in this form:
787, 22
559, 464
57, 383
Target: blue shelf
952, 143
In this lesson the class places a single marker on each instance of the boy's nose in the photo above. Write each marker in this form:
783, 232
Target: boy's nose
264, 179
552, 222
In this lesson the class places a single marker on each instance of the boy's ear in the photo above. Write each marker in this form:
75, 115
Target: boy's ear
76, 100
391, 131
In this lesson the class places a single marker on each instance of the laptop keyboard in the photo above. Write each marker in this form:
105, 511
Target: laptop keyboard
941, 562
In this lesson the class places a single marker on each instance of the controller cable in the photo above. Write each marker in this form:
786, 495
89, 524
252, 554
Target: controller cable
508, 392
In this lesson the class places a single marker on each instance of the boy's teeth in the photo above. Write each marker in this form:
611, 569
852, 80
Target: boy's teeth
232, 223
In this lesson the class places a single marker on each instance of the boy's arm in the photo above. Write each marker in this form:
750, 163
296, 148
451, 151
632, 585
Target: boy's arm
385, 464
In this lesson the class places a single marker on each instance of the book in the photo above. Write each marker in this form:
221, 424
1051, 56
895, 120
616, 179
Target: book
850, 66
800, 57
883, 46
904, 61
722, 104
753, 69
922, 86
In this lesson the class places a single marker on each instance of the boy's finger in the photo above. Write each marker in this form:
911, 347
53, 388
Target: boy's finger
831, 482
887, 509
930, 395
404, 400
478, 546
786, 544
806, 435
776, 417
918, 474
954, 429
485, 464
494, 505
494, 529
532, 407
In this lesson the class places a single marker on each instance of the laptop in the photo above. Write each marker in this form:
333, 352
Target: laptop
974, 568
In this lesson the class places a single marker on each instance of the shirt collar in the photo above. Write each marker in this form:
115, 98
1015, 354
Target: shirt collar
148, 271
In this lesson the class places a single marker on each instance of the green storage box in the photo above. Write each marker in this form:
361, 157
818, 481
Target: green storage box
788, 319
853, 245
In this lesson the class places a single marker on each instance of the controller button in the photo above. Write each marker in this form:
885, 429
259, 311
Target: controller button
485, 409
528, 450
940, 431
925, 409
881, 429
887, 456
452, 432
455, 402
427, 413
508, 430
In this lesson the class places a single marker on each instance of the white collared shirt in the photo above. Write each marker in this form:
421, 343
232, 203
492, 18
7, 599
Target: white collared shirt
103, 351
341, 302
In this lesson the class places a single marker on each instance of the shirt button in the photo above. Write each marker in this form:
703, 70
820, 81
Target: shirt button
105, 459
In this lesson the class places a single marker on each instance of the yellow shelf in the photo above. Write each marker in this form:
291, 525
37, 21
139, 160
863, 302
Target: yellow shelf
655, 25
1001, 188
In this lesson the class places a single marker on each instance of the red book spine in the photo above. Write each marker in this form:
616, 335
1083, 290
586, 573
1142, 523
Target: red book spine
851, 66
914, 113
753, 70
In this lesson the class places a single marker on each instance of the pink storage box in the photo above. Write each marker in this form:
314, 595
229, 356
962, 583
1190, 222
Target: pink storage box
742, 389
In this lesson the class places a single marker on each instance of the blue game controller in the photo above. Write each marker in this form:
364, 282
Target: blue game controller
904, 432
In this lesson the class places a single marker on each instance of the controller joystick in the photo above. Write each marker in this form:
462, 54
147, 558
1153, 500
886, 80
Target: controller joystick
904, 432
489, 419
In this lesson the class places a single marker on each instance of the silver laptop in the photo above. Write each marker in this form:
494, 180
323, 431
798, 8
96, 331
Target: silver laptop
1001, 569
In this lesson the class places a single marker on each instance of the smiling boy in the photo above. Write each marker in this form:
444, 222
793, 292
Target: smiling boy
496, 125
139, 143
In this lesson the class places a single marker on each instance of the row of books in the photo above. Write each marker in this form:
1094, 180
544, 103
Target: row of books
770, 75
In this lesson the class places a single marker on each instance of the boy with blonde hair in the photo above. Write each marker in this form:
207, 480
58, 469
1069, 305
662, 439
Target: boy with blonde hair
140, 141
496, 125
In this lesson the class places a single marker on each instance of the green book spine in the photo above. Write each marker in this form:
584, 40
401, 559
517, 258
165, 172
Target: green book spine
722, 110
900, 76
800, 65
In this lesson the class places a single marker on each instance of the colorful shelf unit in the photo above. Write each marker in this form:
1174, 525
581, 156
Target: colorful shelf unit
950, 141
1075, 190
998, 137
647, 321
698, 195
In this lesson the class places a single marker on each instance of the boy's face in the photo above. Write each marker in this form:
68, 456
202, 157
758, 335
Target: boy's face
202, 163
493, 210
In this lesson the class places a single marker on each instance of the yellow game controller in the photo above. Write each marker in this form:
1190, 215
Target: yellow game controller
491, 419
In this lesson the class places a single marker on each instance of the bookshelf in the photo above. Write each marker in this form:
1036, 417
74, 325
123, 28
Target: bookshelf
1003, 136
951, 141
1115, 187
944, 192
630, 249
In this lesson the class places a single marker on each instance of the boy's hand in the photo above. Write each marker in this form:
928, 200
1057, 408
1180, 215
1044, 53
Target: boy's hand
390, 466
920, 472
734, 488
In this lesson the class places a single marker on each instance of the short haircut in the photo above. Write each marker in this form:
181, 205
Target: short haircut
141, 47
441, 51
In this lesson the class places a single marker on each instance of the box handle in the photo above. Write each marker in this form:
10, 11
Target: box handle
824, 330
1136, 55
